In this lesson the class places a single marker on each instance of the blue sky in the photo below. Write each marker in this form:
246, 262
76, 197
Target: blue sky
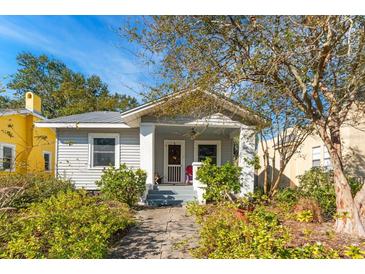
87, 44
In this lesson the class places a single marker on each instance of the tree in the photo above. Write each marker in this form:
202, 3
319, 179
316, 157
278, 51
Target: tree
315, 63
63, 91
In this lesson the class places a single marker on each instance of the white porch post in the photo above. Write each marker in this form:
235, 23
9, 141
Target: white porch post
245, 154
147, 151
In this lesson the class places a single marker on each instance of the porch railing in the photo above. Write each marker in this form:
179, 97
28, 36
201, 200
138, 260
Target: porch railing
174, 173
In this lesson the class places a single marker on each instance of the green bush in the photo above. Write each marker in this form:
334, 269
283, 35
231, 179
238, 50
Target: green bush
31, 187
318, 183
287, 197
68, 225
312, 251
223, 235
123, 184
221, 181
304, 216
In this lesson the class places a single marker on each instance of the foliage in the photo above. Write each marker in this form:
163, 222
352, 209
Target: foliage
318, 183
63, 91
68, 225
312, 251
287, 197
354, 252
259, 234
285, 64
29, 188
304, 216
196, 210
123, 184
307, 210
223, 235
221, 181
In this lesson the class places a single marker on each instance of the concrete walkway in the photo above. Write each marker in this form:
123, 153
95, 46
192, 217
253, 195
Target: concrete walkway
161, 233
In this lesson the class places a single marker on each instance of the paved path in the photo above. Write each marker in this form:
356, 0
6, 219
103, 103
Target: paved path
161, 233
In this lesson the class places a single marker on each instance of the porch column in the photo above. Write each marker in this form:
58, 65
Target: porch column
246, 153
147, 151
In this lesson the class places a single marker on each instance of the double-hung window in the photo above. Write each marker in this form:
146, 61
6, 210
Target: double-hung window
316, 156
7, 157
104, 150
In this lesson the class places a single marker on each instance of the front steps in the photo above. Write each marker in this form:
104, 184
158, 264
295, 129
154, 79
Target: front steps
170, 195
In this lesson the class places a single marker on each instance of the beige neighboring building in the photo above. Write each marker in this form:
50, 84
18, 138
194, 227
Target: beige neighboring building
313, 153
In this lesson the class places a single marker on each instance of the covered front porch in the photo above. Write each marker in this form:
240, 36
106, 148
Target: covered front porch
170, 153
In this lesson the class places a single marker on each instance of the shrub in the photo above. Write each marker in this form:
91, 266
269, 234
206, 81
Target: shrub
312, 251
123, 184
354, 252
307, 210
304, 216
221, 181
318, 183
68, 225
223, 235
287, 197
25, 189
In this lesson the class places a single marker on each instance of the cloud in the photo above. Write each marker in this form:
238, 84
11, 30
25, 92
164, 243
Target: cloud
87, 43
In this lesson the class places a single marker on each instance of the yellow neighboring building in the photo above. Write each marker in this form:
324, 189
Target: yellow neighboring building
313, 153
24, 148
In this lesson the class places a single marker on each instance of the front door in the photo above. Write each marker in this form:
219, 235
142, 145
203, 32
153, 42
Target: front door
174, 169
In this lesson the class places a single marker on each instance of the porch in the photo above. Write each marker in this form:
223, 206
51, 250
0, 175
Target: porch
169, 152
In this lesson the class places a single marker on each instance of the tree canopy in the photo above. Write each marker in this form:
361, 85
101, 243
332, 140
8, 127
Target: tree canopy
63, 91
312, 68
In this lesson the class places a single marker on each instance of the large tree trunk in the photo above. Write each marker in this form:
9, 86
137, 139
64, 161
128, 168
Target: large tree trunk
348, 218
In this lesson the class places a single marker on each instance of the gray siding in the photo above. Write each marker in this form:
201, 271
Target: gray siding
161, 135
73, 154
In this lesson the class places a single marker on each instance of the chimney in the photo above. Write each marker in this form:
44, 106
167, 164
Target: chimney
33, 102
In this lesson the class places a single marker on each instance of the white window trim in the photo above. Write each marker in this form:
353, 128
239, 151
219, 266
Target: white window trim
103, 135
174, 142
50, 161
208, 142
13, 147
319, 157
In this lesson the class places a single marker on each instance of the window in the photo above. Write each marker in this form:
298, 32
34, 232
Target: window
326, 159
205, 149
47, 161
316, 156
104, 150
7, 157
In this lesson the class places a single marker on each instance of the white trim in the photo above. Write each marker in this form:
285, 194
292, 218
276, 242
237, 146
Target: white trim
91, 136
50, 160
208, 142
13, 147
202, 123
165, 166
81, 125
139, 111
56, 156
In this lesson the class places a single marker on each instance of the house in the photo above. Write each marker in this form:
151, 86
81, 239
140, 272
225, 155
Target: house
161, 145
313, 153
24, 148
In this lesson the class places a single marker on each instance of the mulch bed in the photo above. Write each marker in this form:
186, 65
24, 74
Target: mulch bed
324, 233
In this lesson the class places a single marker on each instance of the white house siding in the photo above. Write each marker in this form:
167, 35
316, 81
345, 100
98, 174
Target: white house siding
73, 154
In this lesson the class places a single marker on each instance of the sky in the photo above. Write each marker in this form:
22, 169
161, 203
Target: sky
86, 44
